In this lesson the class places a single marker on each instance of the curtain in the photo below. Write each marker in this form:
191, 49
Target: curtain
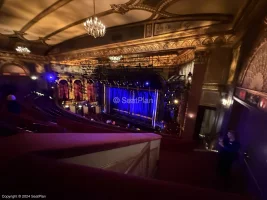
140, 103
118, 99
78, 91
144, 104
91, 93
63, 91
208, 121
186, 68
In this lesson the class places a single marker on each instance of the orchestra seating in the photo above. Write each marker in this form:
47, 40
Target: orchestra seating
41, 111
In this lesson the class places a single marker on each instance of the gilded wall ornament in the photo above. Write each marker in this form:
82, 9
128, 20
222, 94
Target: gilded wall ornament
142, 47
255, 77
14, 55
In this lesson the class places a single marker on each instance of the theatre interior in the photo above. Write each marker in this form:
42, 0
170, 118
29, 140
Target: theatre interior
132, 99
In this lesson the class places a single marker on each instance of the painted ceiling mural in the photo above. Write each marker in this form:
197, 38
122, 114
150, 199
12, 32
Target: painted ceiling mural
254, 76
51, 22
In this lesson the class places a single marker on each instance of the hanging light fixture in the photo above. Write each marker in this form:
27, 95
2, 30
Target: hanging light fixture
94, 26
115, 59
22, 50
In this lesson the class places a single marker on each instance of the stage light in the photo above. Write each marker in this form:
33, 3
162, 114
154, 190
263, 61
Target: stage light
80, 106
50, 77
66, 106
176, 101
147, 83
34, 77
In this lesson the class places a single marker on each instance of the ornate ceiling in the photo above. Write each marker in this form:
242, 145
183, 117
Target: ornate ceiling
53, 21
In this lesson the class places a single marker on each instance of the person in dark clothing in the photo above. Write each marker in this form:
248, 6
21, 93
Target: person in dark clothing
228, 153
12, 105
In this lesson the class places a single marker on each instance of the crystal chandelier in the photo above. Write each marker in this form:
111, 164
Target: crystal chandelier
23, 50
115, 59
94, 26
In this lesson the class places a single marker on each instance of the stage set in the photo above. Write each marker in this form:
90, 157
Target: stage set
141, 98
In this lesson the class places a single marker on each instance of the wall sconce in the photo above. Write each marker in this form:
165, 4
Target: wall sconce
226, 101
191, 115
189, 77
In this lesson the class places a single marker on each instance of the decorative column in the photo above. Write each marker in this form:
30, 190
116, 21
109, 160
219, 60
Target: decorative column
182, 111
194, 94
84, 89
71, 89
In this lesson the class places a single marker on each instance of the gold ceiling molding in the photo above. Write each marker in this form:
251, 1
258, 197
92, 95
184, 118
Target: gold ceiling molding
134, 60
157, 8
14, 55
58, 4
88, 61
186, 57
146, 45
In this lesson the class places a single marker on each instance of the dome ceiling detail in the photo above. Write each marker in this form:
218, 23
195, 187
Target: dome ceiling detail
55, 21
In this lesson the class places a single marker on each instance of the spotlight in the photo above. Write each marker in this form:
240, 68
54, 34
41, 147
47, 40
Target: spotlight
80, 106
50, 77
176, 101
34, 77
67, 106
147, 83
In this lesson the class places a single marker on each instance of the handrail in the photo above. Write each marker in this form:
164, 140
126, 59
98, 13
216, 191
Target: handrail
253, 177
138, 159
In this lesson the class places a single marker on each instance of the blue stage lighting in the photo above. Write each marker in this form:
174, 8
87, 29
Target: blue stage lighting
147, 83
50, 77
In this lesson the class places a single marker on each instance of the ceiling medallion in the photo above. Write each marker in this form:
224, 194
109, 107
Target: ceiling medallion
94, 26
22, 50
115, 59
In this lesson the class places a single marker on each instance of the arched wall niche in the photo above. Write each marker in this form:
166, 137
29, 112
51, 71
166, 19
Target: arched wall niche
14, 69
63, 91
77, 85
